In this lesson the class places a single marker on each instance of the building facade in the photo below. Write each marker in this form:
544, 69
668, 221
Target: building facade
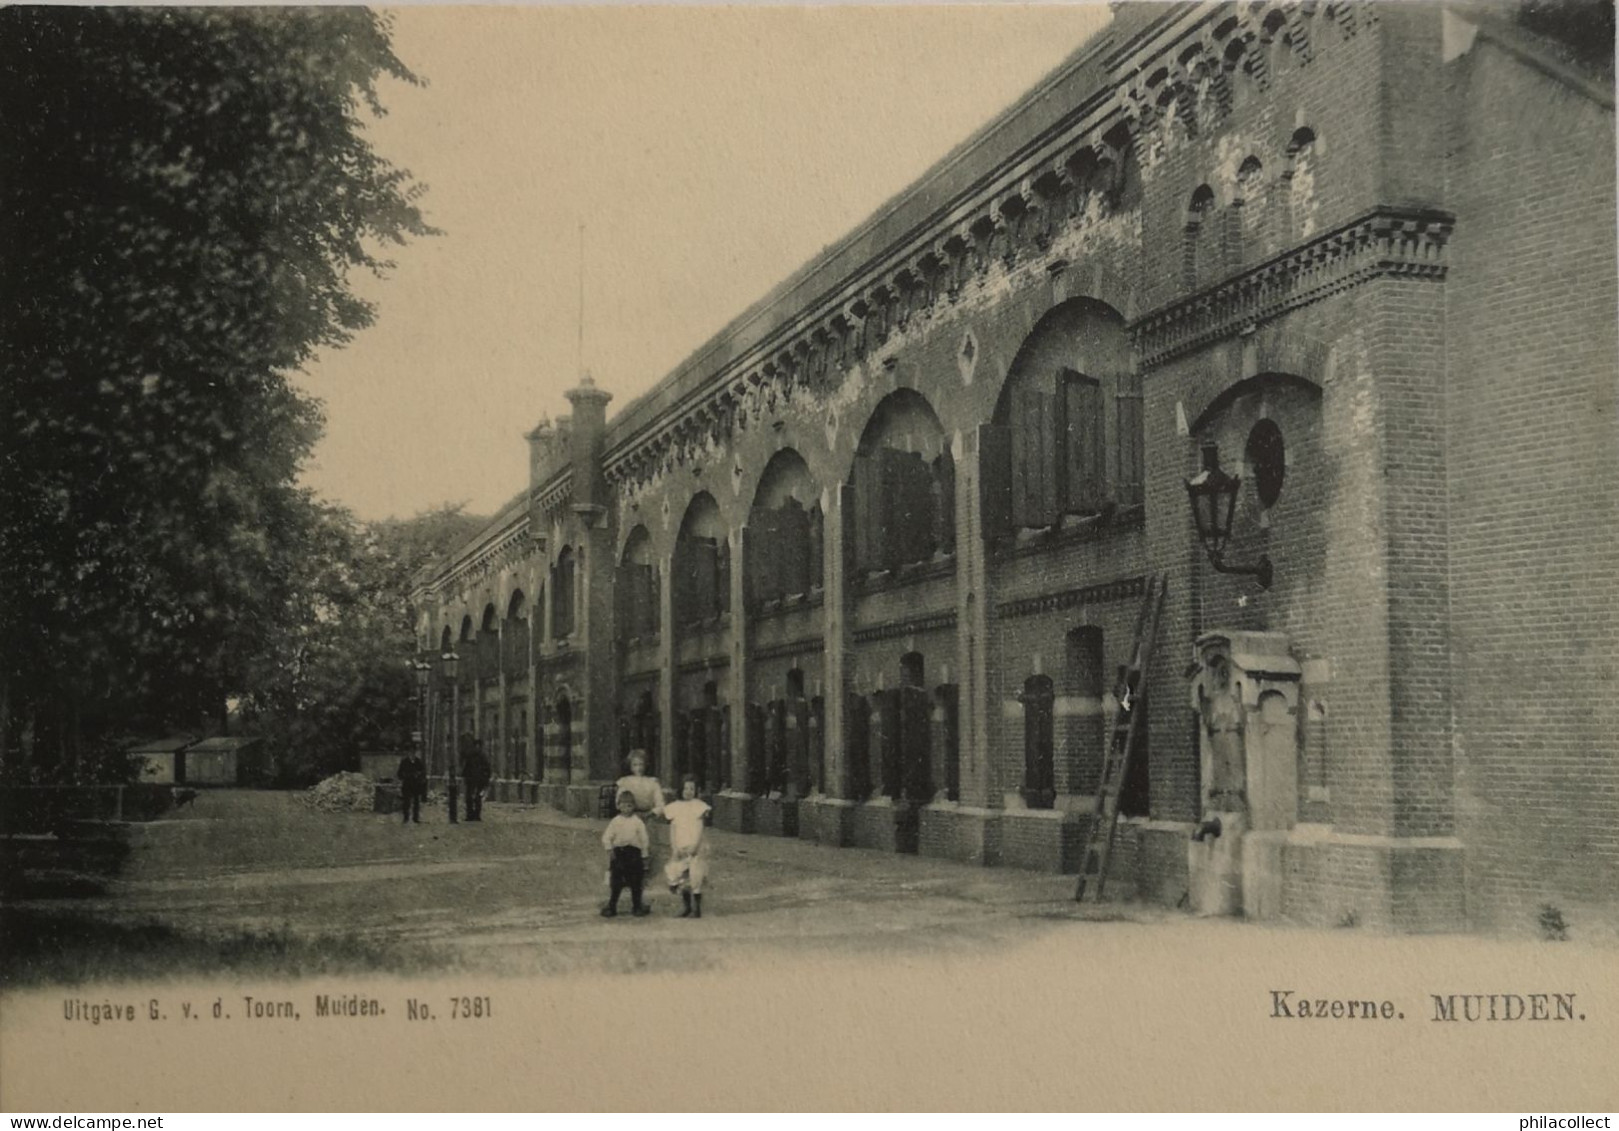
869, 563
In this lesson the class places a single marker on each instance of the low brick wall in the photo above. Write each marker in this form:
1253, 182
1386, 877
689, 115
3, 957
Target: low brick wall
886, 825
949, 831
1159, 865
1043, 840
1386, 884
582, 800
733, 812
830, 820
775, 816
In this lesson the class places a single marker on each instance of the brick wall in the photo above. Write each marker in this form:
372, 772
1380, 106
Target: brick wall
1442, 543
1533, 488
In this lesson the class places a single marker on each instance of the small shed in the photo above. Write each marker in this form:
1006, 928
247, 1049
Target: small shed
162, 759
225, 760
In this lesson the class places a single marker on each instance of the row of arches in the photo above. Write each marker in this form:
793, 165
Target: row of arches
1065, 441
1261, 214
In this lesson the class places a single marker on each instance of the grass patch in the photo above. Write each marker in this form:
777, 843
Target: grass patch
39, 947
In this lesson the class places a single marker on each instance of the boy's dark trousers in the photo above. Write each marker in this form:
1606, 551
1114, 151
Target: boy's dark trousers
625, 870
413, 807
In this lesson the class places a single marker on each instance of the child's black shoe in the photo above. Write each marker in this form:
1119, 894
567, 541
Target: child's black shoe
609, 911
639, 911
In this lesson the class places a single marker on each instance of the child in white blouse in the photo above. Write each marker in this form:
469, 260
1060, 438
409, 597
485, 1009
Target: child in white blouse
626, 842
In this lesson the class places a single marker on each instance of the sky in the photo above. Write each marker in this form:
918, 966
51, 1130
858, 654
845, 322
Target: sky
708, 153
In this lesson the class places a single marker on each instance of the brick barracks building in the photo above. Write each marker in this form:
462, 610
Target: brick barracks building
870, 562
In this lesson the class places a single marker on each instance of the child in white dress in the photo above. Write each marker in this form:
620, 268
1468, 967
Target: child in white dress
688, 845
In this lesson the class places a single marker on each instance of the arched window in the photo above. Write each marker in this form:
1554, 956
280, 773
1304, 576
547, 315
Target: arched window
1299, 175
638, 614
1039, 761
783, 544
702, 564
1250, 211
1045, 454
1082, 730
903, 482
514, 640
562, 598
559, 755
1193, 253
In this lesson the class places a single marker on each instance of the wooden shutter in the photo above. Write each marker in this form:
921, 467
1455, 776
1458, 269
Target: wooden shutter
757, 575
1131, 442
793, 548
1034, 458
1083, 470
722, 576
817, 547
868, 515
643, 601
944, 502
891, 764
704, 578
907, 496
995, 480
624, 602
685, 581
916, 742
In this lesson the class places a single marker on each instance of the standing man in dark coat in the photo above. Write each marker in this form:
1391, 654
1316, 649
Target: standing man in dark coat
452, 774
412, 785
475, 772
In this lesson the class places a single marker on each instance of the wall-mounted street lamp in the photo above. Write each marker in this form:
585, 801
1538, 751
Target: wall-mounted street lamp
1213, 495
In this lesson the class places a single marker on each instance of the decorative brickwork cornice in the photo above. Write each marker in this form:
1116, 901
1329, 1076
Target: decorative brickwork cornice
895, 630
554, 496
706, 664
504, 549
1386, 242
807, 646
1173, 70
1106, 593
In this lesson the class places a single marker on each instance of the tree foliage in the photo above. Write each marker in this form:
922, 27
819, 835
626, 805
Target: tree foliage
337, 681
1580, 31
187, 193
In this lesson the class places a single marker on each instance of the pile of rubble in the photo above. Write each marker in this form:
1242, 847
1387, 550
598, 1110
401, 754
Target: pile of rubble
343, 792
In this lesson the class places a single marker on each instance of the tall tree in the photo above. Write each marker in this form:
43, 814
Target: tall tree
187, 192
334, 681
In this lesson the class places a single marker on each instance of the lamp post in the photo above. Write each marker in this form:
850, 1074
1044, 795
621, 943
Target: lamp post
1213, 495
424, 673
451, 665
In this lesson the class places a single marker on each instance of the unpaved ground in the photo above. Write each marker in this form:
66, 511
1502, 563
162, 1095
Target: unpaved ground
818, 977
520, 891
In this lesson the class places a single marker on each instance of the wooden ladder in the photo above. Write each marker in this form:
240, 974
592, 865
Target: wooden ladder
1121, 745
